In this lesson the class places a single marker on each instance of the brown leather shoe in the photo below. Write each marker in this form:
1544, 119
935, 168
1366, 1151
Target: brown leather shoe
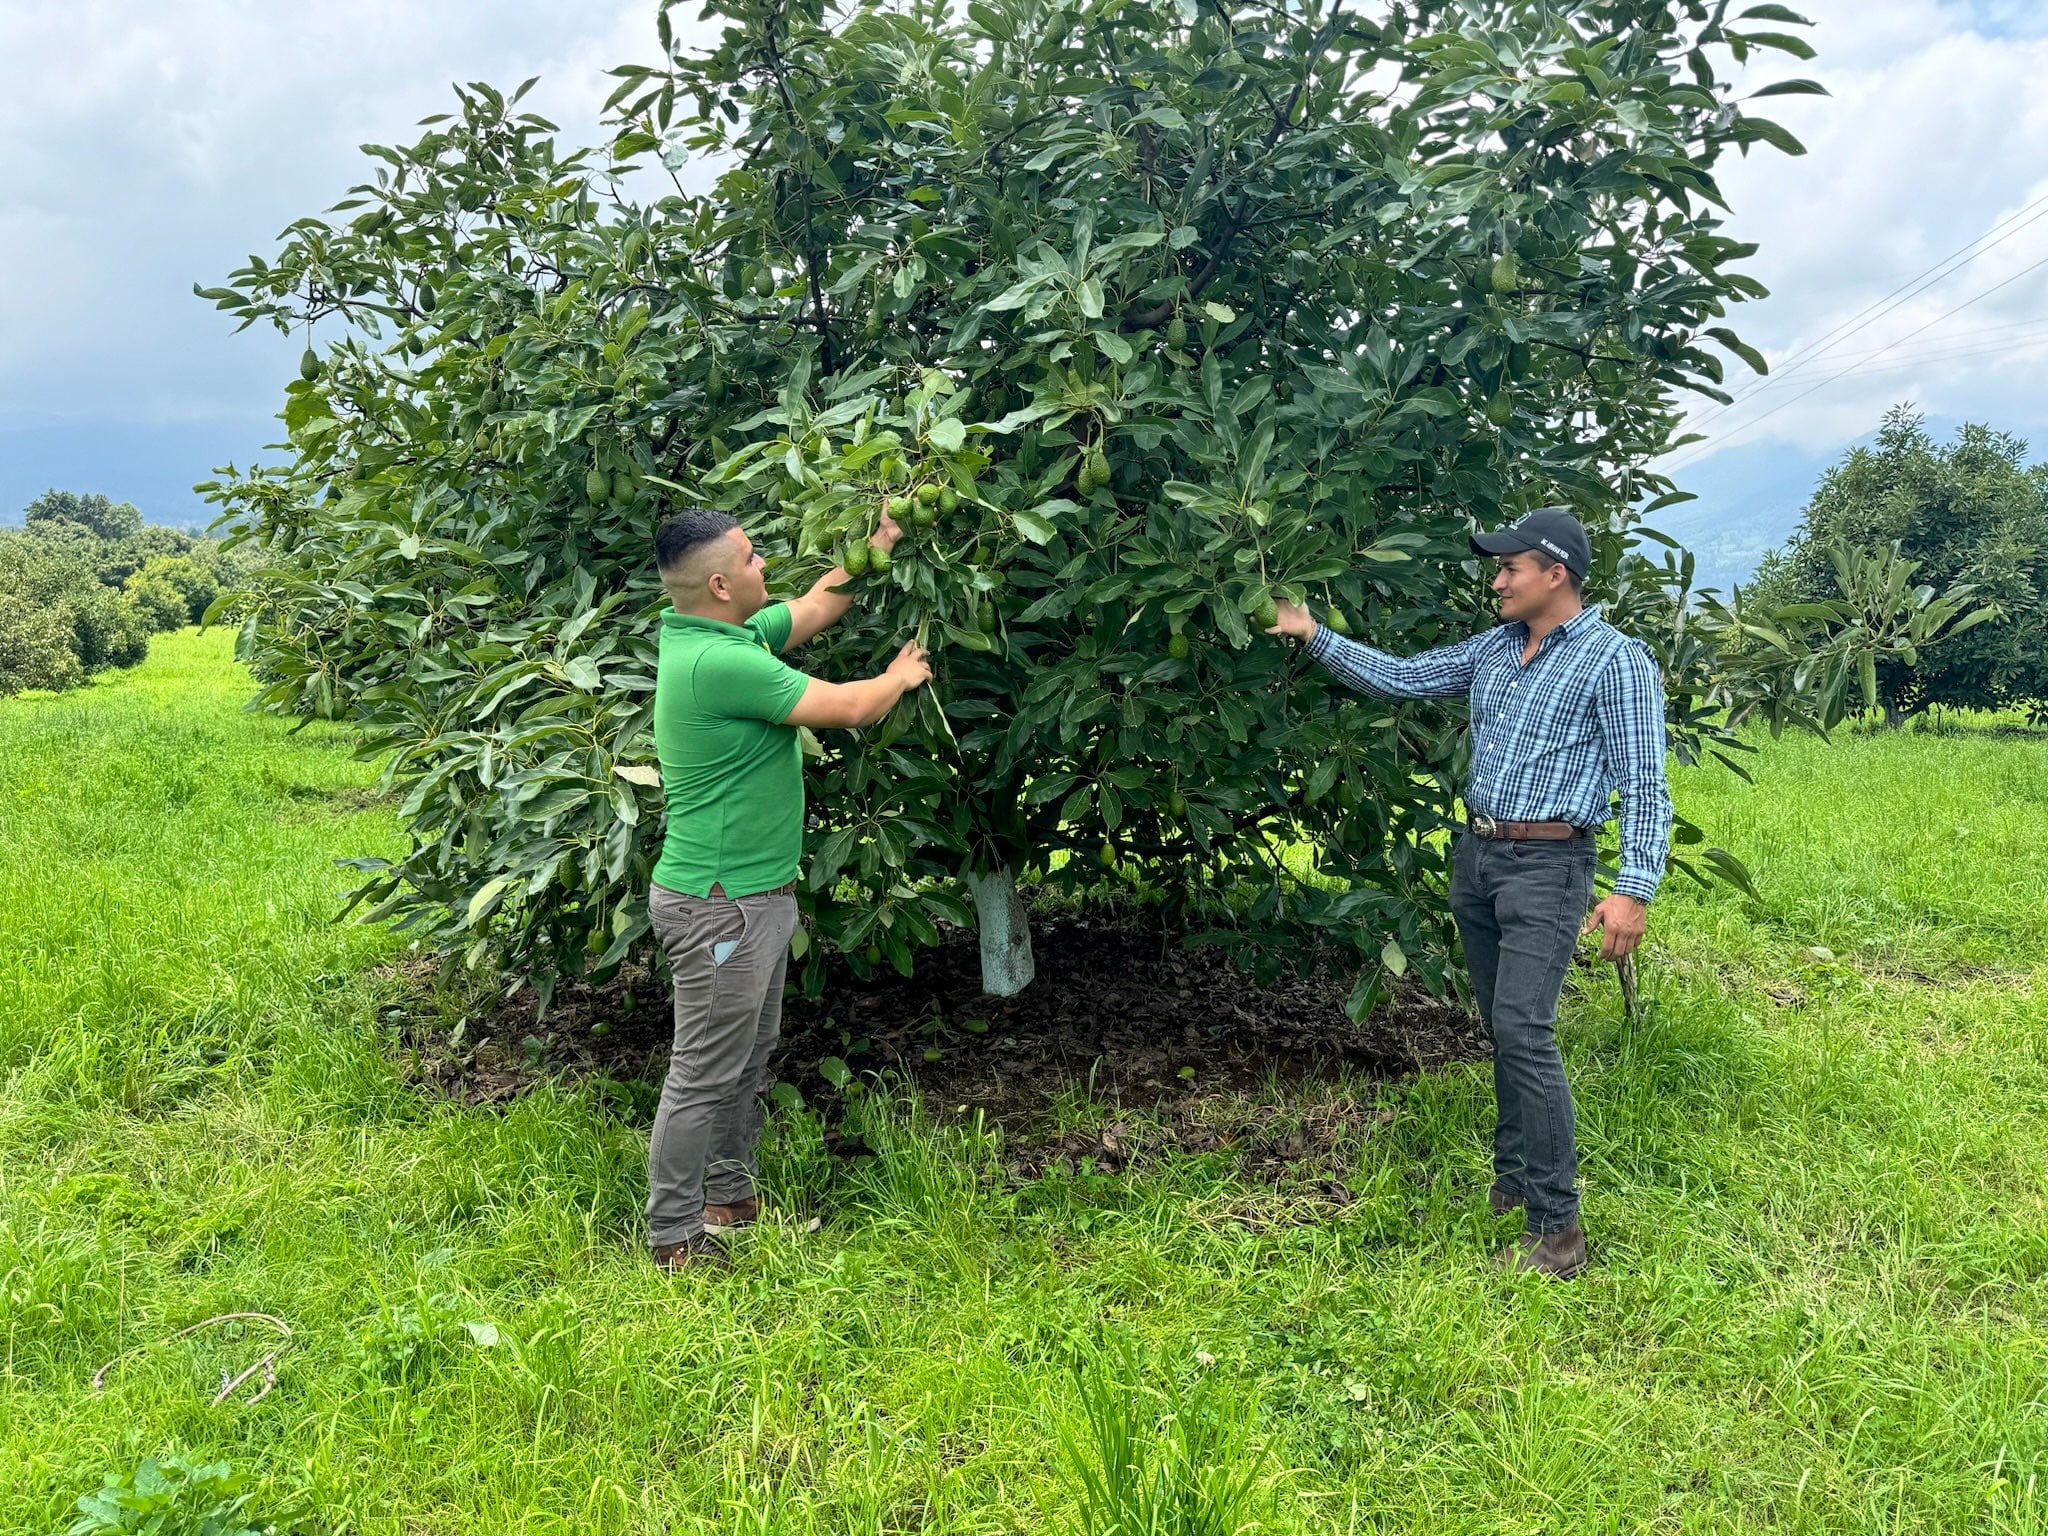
700, 1252
1561, 1255
741, 1213
1503, 1200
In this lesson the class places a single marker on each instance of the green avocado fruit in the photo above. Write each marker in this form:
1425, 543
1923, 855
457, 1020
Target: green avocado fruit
309, 365
597, 485
1506, 275
1177, 647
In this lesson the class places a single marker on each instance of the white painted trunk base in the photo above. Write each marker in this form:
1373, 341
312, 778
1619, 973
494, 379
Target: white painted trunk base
1006, 962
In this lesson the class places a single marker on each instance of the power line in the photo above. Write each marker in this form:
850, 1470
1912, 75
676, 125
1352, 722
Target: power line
1942, 352
1954, 338
1700, 450
2025, 344
1919, 284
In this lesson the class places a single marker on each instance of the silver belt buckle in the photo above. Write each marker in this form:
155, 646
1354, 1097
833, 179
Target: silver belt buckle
1485, 826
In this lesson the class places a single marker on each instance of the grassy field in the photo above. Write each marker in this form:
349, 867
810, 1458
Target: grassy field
1814, 1185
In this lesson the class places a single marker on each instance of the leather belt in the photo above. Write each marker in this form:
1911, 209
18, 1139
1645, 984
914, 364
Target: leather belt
1522, 831
717, 891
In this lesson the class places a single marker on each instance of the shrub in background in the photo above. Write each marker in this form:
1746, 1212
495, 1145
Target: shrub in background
85, 583
1970, 512
192, 584
36, 649
161, 605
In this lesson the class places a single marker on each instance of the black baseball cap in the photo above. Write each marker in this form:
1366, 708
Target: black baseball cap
1549, 531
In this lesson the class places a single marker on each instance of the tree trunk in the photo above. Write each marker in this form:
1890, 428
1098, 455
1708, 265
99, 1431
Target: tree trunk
1006, 962
1894, 717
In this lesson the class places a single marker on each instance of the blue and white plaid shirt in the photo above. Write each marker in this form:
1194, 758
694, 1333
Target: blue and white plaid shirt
1551, 741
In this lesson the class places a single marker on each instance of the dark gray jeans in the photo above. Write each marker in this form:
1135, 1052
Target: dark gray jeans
728, 959
1519, 906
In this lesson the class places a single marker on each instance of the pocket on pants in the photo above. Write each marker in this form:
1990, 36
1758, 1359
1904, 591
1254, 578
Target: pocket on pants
723, 950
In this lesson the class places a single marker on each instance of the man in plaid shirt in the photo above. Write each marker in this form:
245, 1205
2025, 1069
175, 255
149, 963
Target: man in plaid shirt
1565, 711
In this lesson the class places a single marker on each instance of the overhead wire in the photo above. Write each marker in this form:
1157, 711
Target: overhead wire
1971, 337
1871, 313
1696, 451
1940, 353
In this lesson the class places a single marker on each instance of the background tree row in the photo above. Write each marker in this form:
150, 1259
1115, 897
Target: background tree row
84, 583
1969, 513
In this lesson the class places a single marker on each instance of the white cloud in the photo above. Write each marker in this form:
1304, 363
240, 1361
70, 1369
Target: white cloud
154, 147
1928, 141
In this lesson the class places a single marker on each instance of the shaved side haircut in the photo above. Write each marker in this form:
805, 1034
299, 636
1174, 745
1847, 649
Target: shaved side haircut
681, 542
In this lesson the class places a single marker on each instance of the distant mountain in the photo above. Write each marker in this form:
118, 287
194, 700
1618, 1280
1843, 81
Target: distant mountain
1750, 500
1727, 545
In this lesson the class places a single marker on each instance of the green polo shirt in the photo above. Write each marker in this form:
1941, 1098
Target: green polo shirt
732, 772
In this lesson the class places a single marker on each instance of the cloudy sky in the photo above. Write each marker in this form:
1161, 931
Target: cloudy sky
158, 145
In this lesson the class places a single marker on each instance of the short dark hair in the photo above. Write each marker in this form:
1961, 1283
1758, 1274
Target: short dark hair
688, 529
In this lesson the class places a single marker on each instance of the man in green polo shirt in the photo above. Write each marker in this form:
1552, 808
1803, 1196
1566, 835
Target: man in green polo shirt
726, 712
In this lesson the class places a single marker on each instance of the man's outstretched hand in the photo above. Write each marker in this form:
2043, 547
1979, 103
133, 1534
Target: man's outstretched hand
1621, 920
1294, 620
886, 533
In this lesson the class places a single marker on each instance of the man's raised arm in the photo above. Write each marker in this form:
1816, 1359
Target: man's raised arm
827, 601
1437, 674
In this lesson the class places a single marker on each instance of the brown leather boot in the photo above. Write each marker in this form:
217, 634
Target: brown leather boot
1561, 1255
1503, 1200
700, 1252
741, 1213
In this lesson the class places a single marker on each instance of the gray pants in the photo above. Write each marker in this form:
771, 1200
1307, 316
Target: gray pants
1519, 906
728, 959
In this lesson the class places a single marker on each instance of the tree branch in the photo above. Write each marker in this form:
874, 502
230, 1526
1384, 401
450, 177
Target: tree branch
778, 69
1158, 314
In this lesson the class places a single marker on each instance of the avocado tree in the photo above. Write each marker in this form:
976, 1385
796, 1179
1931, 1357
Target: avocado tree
1969, 515
1140, 314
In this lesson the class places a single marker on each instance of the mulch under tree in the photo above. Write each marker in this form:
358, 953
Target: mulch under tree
1121, 1013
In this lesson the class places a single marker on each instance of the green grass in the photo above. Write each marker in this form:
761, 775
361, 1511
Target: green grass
1813, 1184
